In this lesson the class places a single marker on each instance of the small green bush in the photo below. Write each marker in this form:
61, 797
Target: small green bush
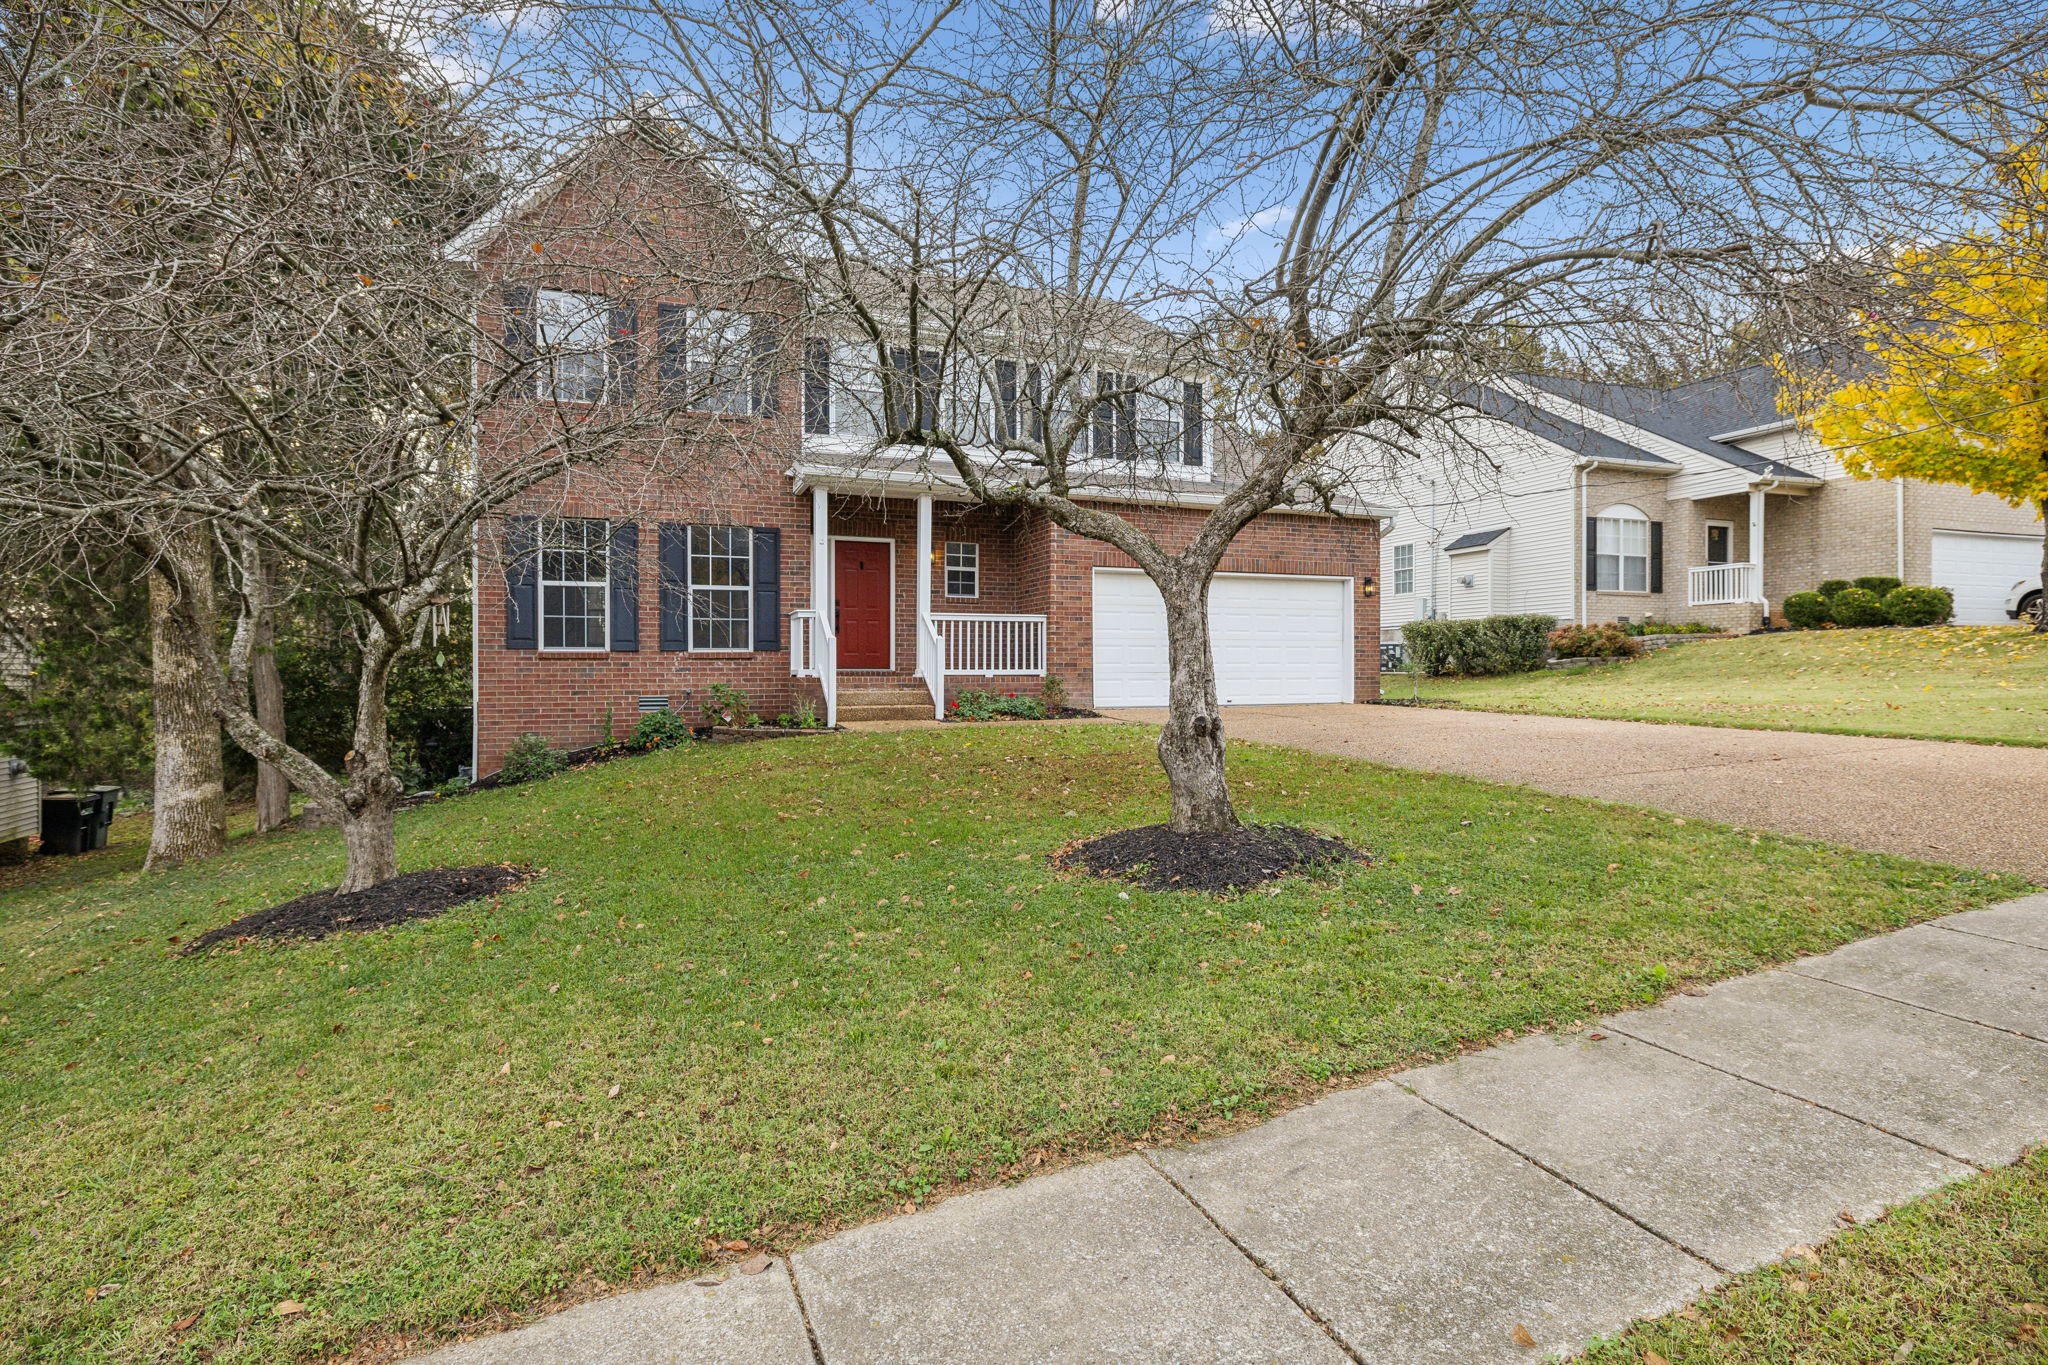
1833, 586
1877, 585
729, 705
1642, 628
994, 706
659, 730
1606, 641
1493, 644
1808, 610
1915, 605
530, 758
1855, 607
1052, 694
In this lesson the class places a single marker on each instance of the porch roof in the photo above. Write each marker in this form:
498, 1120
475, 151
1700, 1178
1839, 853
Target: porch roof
911, 478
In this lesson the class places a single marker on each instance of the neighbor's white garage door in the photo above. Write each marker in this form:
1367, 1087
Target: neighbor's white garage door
1276, 639
1980, 570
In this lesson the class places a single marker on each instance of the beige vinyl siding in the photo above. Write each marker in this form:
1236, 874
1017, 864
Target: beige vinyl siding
20, 803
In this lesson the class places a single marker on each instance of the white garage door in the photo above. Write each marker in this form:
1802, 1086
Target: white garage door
1980, 570
1276, 639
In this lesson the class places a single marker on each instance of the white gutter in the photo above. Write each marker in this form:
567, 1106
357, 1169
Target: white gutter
1751, 433
1578, 567
913, 482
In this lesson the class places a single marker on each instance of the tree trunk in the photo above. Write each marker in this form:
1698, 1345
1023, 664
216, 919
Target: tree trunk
1191, 741
371, 796
273, 789
191, 801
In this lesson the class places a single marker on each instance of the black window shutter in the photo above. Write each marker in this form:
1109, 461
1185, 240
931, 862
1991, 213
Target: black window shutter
1102, 422
674, 595
673, 368
767, 588
928, 390
1191, 423
818, 386
1034, 394
767, 366
522, 337
625, 351
1593, 553
522, 584
1006, 400
1656, 556
625, 587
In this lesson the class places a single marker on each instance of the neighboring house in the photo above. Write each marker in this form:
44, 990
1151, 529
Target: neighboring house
800, 561
21, 805
1701, 502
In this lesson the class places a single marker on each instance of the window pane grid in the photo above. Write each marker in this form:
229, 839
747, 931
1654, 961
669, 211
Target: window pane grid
1621, 558
571, 332
1404, 568
963, 569
721, 588
574, 583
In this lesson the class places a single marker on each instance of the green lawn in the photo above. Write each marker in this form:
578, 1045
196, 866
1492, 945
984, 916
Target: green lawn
1988, 684
1957, 1278
761, 990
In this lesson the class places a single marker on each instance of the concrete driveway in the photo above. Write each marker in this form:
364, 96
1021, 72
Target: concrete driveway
1972, 804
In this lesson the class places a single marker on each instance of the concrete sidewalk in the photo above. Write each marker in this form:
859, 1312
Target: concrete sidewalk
1975, 804
1555, 1188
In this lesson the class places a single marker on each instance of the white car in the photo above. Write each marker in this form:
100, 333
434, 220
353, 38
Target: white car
2023, 603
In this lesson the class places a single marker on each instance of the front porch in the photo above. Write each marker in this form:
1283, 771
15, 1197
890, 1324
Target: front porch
924, 595
1728, 583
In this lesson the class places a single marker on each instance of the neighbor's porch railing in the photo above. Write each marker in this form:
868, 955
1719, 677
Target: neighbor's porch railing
1714, 585
986, 646
814, 653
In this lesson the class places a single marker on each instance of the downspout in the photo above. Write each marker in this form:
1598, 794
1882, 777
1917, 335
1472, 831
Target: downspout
1579, 530
1899, 527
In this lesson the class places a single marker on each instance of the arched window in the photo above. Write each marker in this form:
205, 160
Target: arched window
1621, 550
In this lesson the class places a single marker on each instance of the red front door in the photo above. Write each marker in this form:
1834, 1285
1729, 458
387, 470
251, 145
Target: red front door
861, 588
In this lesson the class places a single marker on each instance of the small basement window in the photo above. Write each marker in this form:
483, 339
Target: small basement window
963, 569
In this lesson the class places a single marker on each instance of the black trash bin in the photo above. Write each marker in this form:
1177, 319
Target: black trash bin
64, 817
96, 832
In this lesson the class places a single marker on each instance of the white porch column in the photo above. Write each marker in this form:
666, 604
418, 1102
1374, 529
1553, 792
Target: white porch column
821, 554
1756, 541
924, 556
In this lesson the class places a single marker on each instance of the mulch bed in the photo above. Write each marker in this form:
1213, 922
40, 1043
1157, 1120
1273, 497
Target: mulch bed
1155, 857
414, 895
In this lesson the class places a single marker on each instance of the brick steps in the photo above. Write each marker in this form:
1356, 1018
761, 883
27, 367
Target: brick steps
901, 702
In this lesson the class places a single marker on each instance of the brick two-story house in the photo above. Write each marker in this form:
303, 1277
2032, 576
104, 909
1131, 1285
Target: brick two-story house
748, 533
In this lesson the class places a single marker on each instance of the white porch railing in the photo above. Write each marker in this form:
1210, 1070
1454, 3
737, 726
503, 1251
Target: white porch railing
814, 653
990, 646
931, 664
1715, 585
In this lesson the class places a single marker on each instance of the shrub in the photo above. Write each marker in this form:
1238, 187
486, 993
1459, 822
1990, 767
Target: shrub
991, 706
530, 758
1833, 586
1857, 607
1606, 641
659, 730
1877, 585
1913, 605
1052, 693
807, 717
729, 705
1808, 610
1641, 628
1494, 644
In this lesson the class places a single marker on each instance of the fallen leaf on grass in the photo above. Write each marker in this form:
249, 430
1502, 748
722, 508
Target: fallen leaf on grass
1520, 1336
289, 1308
184, 1324
612, 1093
1652, 1358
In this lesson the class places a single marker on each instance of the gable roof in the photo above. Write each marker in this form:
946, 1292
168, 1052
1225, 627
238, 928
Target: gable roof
1692, 414
1562, 431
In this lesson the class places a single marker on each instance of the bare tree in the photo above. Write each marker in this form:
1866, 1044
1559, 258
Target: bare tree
236, 326
1330, 214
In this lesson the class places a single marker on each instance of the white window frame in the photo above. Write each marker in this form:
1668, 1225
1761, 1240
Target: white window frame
1707, 542
1166, 451
551, 528
732, 363
967, 562
744, 556
1401, 569
846, 399
580, 330
1621, 536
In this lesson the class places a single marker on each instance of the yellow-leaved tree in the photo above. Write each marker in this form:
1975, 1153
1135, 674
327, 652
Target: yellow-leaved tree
1953, 386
